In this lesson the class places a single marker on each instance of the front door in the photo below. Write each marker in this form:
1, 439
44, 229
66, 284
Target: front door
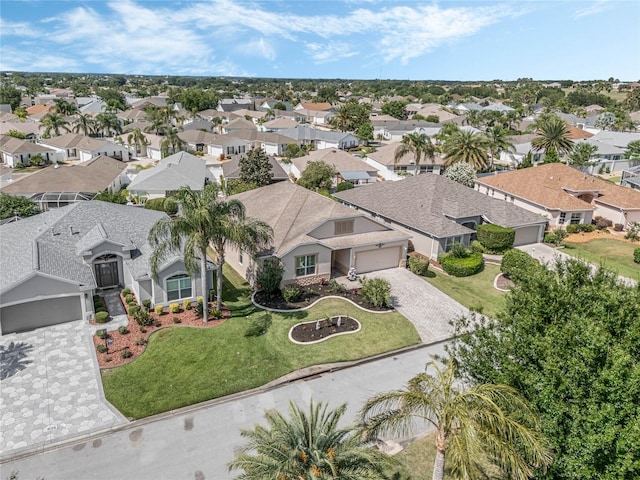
107, 274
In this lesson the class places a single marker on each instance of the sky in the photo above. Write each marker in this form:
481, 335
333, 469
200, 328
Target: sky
350, 39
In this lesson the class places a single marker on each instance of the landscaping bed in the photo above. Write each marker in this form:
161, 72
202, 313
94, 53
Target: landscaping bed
310, 332
503, 283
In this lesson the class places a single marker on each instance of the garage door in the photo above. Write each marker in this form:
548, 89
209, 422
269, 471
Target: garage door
378, 259
27, 316
526, 235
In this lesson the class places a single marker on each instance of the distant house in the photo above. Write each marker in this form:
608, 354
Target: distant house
383, 160
315, 237
181, 169
348, 167
563, 194
197, 140
316, 138
30, 129
271, 142
53, 263
231, 170
438, 212
238, 124
278, 124
61, 185
14, 151
73, 146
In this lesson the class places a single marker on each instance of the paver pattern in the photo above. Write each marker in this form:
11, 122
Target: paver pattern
53, 390
424, 305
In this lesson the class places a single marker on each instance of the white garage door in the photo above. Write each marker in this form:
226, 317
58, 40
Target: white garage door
526, 235
27, 316
378, 259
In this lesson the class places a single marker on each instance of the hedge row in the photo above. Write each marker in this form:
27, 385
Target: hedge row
516, 264
495, 238
462, 267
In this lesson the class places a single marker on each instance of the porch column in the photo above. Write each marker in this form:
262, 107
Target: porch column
352, 258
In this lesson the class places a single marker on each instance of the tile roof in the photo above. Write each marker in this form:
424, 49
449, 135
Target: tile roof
321, 106
547, 185
428, 203
579, 133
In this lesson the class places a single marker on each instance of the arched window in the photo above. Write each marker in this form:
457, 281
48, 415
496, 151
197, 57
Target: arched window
178, 287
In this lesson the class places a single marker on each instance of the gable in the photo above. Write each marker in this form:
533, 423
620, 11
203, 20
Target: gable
36, 286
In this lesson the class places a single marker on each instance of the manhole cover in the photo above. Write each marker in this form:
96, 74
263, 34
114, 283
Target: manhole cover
51, 428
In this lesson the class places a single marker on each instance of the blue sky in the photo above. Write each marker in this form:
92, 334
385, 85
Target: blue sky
366, 39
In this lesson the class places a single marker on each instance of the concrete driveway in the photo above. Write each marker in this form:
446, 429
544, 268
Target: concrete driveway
428, 308
50, 387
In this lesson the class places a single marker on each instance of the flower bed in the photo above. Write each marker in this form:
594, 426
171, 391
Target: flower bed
319, 330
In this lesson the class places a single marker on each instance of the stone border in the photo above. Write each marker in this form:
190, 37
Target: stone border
277, 310
325, 338
495, 283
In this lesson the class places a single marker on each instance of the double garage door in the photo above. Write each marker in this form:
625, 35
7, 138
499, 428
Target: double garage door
527, 235
378, 259
42, 313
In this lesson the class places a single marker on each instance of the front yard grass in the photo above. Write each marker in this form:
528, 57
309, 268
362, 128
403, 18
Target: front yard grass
416, 460
614, 254
475, 292
183, 366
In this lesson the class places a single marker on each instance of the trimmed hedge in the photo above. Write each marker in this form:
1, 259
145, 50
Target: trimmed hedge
495, 238
636, 255
581, 227
418, 264
516, 264
102, 317
462, 267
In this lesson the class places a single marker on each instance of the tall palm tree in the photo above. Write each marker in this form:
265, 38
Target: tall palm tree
63, 107
553, 136
84, 123
137, 138
108, 123
308, 445
53, 122
21, 113
475, 425
468, 147
418, 144
498, 143
171, 143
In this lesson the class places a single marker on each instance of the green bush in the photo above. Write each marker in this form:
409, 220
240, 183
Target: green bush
476, 247
258, 325
572, 229
636, 255
146, 303
123, 330
102, 317
170, 206
174, 307
142, 318
216, 314
133, 310
176, 320
458, 250
128, 298
102, 333
269, 275
101, 348
377, 291
186, 304
336, 287
549, 238
159, 309
462, 267
494, 238
344, 186
126, 353
601, 223
418, 264
132, 304
516, 264
155, 204
125, 291
291, 293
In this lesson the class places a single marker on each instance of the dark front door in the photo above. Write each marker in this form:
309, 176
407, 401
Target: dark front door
107, 274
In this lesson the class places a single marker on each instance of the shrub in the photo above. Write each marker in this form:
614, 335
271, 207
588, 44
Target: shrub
128, 298
458, 250
258, 325
142, 329
101, 309
107, 359
155, 204
462, 267
142, 318
636, 255
140, 342
560, 235
101, 333
618, 227
494, 238
102, 317
125, 291
176, 320
342, 186
516, 264
174, 307
126, 353
200, 307
336, 287
572, 229
170, 206
156, 323
269, 275
377, 291
159, 309
633, 231
133, 310
549, 238
217, 314
476, 247
601, 223
146, 303
588, 227
418, 264
123, 330
186, 304
291, 293
101, 348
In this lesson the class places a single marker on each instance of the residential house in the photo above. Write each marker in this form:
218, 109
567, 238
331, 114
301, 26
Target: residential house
271, 142
53, 263
316, 237
383, 160
318, 139
435, 109
30, 129
631, 178
238, 124
231, 170
60, 185
563, 194
611, 152
278, 124
316, 117
197, 140
228, 146
349, 168
181, 169
438, 212
233, 104
15, 151
74, 146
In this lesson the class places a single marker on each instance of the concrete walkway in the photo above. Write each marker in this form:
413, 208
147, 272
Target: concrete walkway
424, 305
50, 388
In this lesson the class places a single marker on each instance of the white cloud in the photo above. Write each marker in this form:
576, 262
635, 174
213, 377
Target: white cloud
257, 48
329, 52
597, 6
19, 29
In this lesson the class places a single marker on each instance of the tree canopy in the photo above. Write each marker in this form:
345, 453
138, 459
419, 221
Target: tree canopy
255, 168
317, 175
11, 206
395, 108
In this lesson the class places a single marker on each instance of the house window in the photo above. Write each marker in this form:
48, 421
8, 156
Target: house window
305, 265
562, 218
343, 227
451, 241
178, 287
240, 257
576, 218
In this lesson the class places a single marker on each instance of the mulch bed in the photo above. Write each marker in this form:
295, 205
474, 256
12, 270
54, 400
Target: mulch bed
310, 294
136, 340
504, 283
314, 331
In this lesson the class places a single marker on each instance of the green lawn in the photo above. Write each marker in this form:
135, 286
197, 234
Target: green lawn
614, 254
615, 180
475, 292
183, 366
416, 461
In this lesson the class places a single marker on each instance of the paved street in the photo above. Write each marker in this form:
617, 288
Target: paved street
197, 442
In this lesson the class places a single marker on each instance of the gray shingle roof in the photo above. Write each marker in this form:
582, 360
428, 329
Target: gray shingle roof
231, 170
171, 173
429, 203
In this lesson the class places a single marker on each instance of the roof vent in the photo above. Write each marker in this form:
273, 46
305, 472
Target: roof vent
73, 230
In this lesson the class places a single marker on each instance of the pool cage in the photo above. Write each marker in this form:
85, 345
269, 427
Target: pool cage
48, 200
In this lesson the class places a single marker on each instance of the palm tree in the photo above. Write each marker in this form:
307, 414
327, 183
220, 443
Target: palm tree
63, 107
498, 143
418, 144
581, 154
468, 147
308, 445
475, 426
21, 113
553, 135
108, 123
85, 124
137, 138
171, 143
53, 122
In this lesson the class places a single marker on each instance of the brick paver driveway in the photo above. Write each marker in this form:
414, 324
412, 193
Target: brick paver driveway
428, 308
50, 387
